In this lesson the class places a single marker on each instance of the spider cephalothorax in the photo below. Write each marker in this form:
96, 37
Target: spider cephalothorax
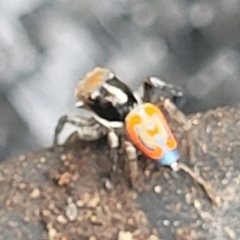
132, 117
105, 95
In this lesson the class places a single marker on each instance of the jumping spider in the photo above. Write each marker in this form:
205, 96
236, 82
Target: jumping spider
121, 114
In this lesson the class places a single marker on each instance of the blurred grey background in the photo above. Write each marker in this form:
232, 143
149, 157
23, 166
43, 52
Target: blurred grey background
46, 46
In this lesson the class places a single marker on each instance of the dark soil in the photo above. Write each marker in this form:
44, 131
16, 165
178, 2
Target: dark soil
66, 194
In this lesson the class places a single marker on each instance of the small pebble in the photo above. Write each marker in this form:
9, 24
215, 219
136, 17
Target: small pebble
166, 223
51, 205
208, 129
136, 233
80, 203
197, 204
93, 202
35, 193
198, 222
42, 160
134, 196
220, 114
61, 219
166, 175
86, 197
205, 226
39, 166
175, 223
93, 219
147, 173
195, 121
228, 174
63, 157
46, 213
52, 234
204, 148
119, 206
188, 198
153, 237
22, 185
108, 184
157, 189
125, 236
92, 238
118, 216
193, 234
179, 191
64, 179
13, 224
229, 149
130, 221
22, 157
66, 163
71, 212
26, 219
224, 181
75, 176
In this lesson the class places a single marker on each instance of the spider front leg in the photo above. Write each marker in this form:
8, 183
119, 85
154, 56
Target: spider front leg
87, 128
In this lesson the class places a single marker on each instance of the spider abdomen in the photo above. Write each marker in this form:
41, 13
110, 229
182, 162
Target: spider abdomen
148, 129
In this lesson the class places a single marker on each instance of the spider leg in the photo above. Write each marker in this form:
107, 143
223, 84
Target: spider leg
173, 92
213, 197
113, 142
182, 120
131, 162
186, 124
160, 84
87, 128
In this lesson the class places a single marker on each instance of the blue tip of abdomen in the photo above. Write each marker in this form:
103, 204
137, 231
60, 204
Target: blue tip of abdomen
169, 157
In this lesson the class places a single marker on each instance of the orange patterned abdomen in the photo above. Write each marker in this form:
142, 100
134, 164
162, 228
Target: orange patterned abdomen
149, 131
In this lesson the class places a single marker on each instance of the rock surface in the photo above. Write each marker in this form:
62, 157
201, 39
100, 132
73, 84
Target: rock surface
62, 195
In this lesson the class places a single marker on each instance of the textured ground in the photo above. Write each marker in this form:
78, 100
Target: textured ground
47, 195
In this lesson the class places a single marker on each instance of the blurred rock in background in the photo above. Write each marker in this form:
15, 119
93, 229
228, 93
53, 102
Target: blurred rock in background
47, 46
